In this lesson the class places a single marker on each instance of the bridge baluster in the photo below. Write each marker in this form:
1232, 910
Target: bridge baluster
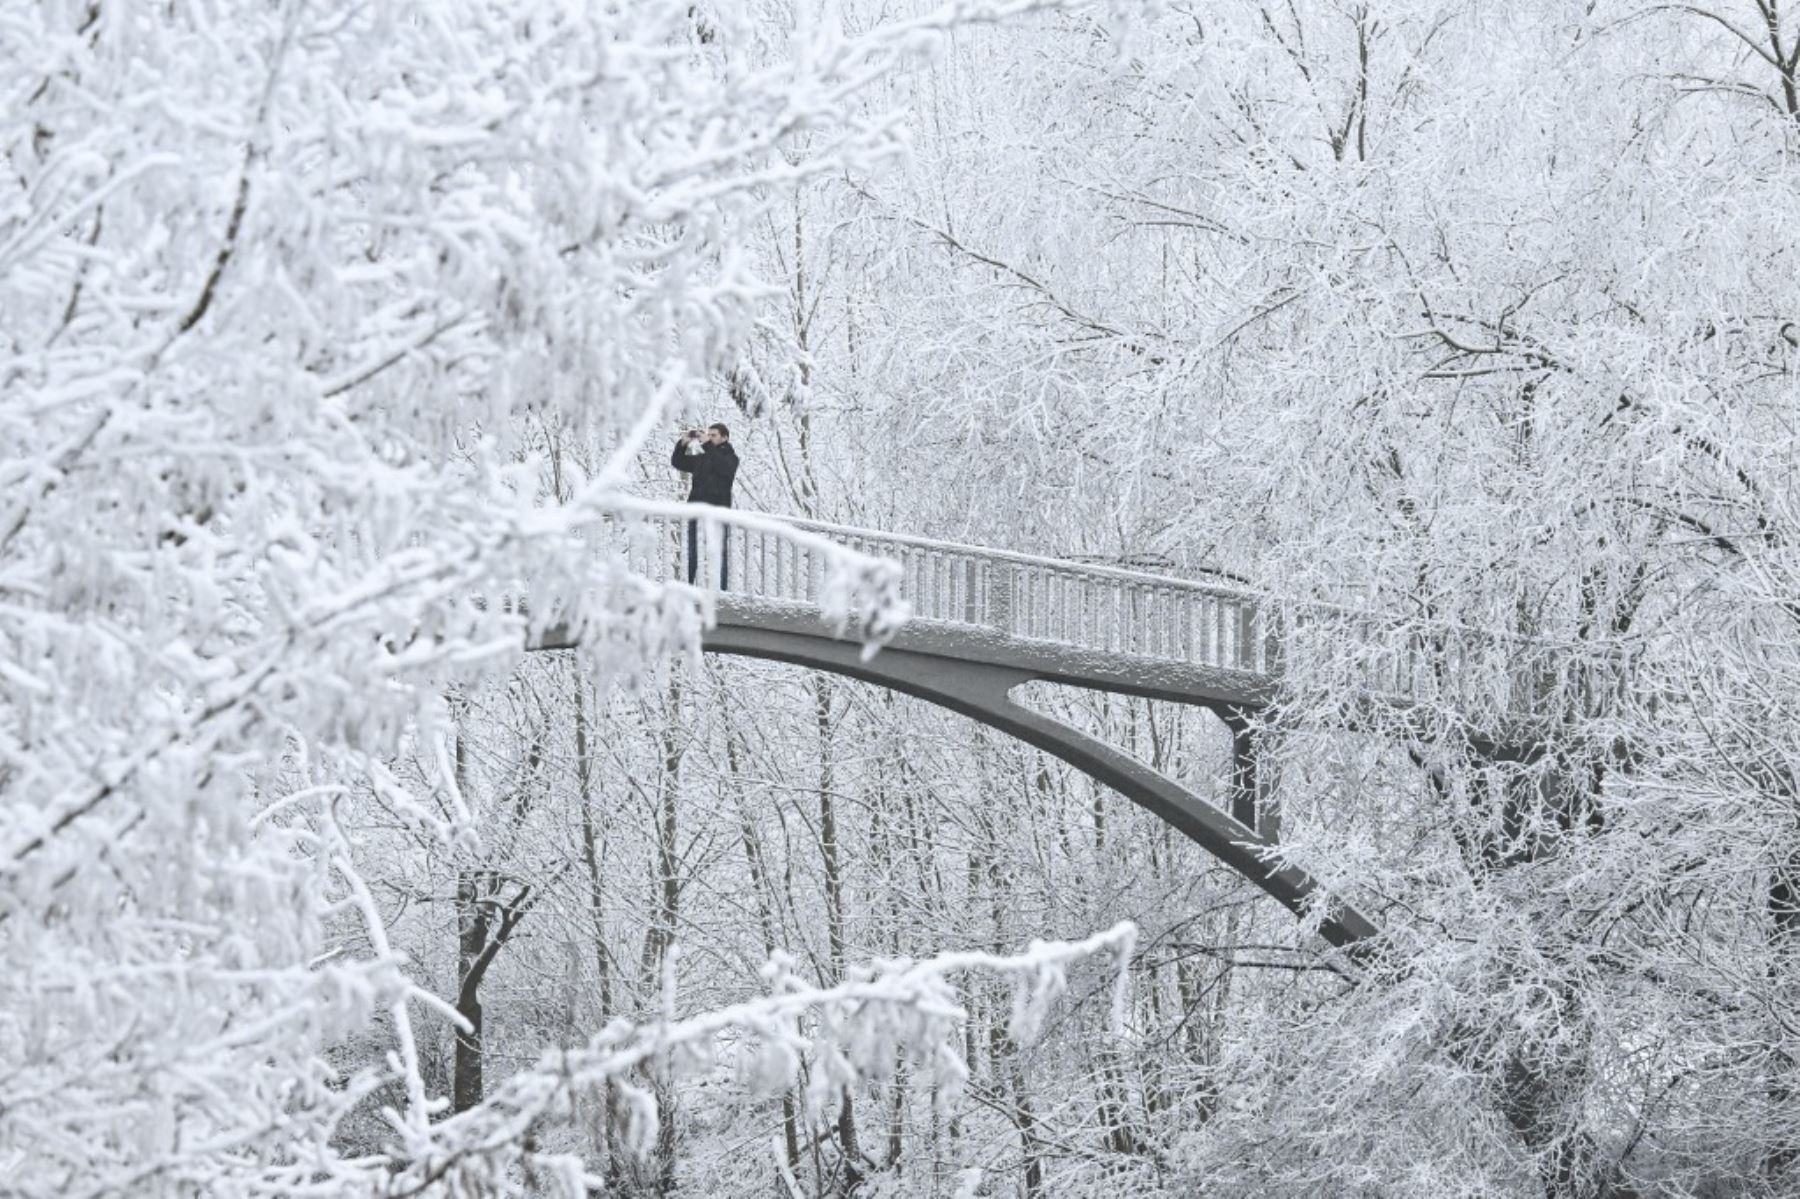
1068, 609
1163, 632
1166, 600
1159, 619
1040, 603
1143, 619
1130, 616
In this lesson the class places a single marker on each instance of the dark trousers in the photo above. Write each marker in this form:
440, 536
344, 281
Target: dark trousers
693, 547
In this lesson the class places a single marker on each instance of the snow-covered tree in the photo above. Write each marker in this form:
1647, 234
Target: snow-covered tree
285, 290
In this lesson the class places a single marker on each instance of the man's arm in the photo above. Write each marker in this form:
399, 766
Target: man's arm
682, 460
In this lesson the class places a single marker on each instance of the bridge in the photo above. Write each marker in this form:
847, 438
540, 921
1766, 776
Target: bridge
984, 622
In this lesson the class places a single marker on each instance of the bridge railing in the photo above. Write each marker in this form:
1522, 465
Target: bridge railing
1099, 608
1342, 651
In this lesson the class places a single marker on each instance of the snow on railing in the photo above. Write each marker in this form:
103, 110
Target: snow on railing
1077, 605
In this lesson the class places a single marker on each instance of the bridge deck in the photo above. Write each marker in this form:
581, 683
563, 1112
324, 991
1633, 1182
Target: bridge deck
1036, 658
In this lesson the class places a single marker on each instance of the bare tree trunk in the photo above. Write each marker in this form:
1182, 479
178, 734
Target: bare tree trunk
834, 904
480, 938
471, 940
664, 922
666, 909
765, 918
594, 845
1003, 1052
593, 849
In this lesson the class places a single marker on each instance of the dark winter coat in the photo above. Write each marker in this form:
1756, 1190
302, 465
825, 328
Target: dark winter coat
713, 469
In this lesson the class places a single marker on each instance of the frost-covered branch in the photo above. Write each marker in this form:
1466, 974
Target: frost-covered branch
855, 1030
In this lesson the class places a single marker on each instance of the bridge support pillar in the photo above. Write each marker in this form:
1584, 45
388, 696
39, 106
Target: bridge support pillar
1252, 780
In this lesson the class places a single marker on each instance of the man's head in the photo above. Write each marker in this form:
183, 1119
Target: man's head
717, 434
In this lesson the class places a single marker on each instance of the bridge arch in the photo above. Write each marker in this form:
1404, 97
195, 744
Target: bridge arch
982, 690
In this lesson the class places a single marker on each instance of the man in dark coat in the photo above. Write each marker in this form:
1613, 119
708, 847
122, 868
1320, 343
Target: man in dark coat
709, 458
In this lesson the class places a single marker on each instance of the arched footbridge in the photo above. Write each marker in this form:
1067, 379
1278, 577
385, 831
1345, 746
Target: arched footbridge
983, 622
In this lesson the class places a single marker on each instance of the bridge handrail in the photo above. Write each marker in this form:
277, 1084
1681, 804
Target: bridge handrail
1084, 607
1036, 561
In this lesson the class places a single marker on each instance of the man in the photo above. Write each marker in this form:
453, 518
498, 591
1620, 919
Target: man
709, 458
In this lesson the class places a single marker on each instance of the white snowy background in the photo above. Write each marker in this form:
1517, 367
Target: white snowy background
325, 326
